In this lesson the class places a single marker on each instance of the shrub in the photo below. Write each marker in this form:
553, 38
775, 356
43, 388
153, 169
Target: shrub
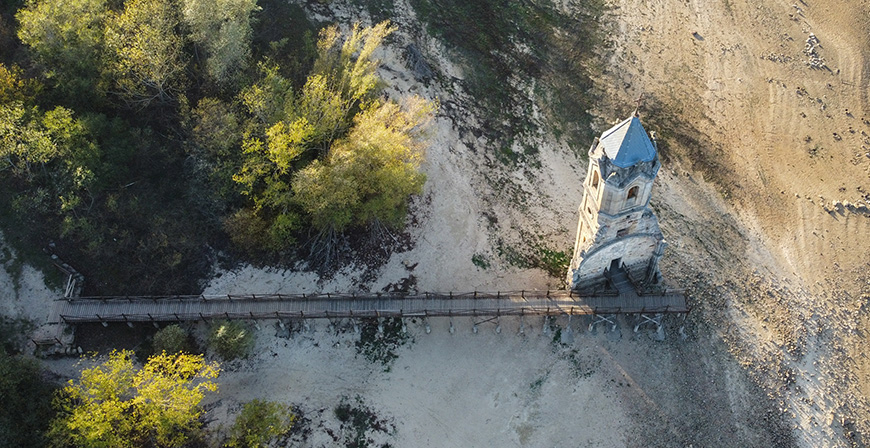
259, 423
230, 339
172, 339
379, 342
26, 396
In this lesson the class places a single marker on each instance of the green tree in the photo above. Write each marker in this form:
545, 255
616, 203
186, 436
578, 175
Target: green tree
223, 29
115, 404
230, 339
259, 423
172, 339
368, 176
215, 135
67, 39
343, 77
306, 151
25, 143
54, 150
24, 392
146, 63
15, 88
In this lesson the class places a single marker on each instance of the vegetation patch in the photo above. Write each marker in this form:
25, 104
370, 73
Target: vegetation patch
380, 339
480, 260
553, 262
259, 423
505, 44
532, 254
172, 339
230, 339
359, 423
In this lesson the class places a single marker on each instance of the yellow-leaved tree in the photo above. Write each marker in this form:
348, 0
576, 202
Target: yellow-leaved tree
115, 404
368, 175
146, 58
333, 153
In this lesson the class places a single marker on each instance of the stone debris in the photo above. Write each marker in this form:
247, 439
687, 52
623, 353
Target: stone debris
841, 207
777, 57
815, 61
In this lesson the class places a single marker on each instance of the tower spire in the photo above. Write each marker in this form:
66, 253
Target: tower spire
638, 102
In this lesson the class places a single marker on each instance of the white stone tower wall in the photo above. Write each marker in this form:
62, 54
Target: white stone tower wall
612, 225
634, 252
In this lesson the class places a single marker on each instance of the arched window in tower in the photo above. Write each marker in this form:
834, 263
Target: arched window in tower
632, 195
595, 179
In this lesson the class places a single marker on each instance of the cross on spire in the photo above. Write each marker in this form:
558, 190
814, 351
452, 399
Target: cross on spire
638, 102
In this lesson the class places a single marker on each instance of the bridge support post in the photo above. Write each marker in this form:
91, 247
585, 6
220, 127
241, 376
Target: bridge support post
602, 318
654, 319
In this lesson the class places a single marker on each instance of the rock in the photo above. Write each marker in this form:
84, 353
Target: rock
419, 67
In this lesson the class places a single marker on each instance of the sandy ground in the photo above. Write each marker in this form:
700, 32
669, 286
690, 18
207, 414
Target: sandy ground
605, 389
764, 209
24, 292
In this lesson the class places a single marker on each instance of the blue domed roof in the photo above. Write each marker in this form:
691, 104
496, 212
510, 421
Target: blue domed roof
627, 144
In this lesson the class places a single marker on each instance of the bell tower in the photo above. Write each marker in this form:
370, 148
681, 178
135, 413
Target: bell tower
618, 232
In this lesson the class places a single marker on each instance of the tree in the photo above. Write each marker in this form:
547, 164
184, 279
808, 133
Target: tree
348, 67
31, 141
171, 339
24, 141
368, 176
115, 404
223, 29
306, 150
67, 39
14, 88
26, 398
147, 63
343, 77
259, 423
24, 392
230, 339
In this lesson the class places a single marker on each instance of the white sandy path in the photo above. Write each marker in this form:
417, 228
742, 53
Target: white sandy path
30, 299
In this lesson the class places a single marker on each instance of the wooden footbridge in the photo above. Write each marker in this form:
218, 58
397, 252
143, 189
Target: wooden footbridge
314, 306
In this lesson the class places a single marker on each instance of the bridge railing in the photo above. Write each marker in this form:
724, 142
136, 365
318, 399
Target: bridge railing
523, 311
348, 296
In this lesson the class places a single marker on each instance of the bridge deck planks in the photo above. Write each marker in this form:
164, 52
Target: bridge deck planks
181, 308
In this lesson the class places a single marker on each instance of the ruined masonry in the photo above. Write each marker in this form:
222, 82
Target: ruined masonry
618, 235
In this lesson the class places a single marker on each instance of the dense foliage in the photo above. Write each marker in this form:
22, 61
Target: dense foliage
115, 404
24, 391
149, 132
259, 423
172, 339
230, 339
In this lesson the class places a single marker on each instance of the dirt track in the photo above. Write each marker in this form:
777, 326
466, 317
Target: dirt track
781, 249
